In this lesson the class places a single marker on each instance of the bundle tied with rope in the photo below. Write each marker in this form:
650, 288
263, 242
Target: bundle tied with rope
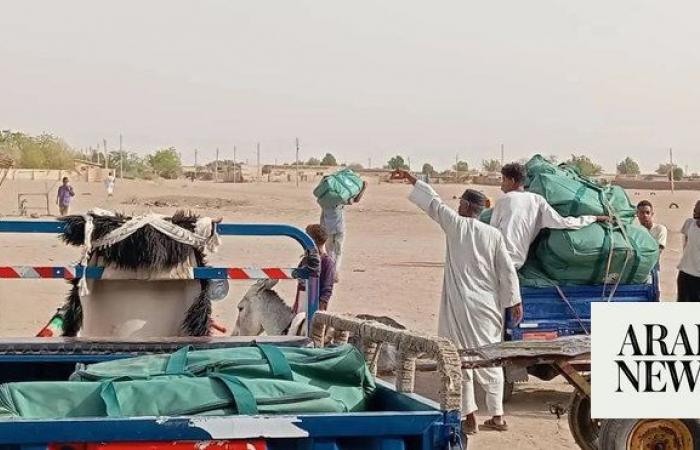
150, 246
615, 253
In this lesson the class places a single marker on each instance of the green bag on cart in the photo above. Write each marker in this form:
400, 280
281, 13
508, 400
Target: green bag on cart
244, 380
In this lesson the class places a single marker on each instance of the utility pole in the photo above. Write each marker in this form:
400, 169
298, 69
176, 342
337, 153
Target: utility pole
258, 172
121, 158
456, 161
297, 162
502, 156
104, 143
216, 166
671, 176
195, 163
234, 164
370, 163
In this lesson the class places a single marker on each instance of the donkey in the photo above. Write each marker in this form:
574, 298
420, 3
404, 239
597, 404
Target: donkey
262, 310
146, 289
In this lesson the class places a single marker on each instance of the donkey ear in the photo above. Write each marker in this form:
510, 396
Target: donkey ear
264, 285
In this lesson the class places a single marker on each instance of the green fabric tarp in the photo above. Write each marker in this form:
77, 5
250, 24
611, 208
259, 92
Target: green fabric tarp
571, 194
596, 254
243, 380
338, 188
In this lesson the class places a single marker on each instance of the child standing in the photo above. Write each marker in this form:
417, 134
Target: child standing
327, 275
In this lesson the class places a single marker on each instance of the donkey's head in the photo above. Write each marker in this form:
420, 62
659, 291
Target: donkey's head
254, 309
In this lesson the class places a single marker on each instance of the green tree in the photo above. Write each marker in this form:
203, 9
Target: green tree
585, 166
665, 169
329, 160
628, 166
491, 165
166, 163
428, 169
397, 162
134, 166
45, 151
461, 166
313, 162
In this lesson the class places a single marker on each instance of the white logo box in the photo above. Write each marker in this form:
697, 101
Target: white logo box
651, 384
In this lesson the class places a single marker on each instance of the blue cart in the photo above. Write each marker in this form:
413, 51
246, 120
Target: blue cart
396, 419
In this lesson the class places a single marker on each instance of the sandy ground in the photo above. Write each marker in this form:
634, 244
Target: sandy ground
393, 266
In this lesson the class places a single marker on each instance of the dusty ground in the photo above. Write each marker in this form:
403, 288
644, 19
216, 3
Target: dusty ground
393, 266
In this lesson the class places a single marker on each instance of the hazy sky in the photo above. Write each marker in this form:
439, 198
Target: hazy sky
359, 78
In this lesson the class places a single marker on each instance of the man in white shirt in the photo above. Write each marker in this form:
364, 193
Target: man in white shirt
645, 216
689, 267
480, 284
520, 215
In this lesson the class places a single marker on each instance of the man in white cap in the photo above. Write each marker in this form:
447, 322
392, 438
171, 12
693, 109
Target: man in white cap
480, 284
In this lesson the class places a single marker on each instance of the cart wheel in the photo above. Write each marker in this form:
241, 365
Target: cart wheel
584, 429
632, 434
508, 387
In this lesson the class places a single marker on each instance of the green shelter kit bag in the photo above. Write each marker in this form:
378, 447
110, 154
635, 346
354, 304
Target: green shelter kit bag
597, 254
244, 380
338, 189
571, 194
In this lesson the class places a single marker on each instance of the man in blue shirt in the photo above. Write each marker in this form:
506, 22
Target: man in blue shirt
64, 197
333, 222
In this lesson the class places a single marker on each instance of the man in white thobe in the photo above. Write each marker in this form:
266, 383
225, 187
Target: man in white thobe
479, 284
521, 215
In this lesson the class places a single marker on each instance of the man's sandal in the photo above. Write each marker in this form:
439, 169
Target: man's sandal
493, 425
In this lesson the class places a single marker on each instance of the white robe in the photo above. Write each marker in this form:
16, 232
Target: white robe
521, 215
480, 282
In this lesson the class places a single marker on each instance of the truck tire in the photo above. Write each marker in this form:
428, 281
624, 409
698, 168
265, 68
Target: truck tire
586, 431
638, 434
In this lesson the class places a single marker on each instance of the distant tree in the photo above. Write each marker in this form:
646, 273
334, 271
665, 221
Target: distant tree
313, 162
356, 166
166, 163
628, 166
491, 165
461, 166
554, 159
329, 160
397, 162
585, 166
665, 169
677, 174
134, 165
428, 169
44, 151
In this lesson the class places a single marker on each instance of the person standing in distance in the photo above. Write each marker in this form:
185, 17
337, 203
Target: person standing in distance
689, 267
333, 222
64, 197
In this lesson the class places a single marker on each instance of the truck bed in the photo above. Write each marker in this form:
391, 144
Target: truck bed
394, 421
552, 312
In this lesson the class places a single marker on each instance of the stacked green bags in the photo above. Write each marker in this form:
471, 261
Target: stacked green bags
597, 254
244, 380
571, 194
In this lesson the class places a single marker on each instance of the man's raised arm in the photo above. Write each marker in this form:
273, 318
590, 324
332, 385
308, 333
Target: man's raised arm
429, 201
